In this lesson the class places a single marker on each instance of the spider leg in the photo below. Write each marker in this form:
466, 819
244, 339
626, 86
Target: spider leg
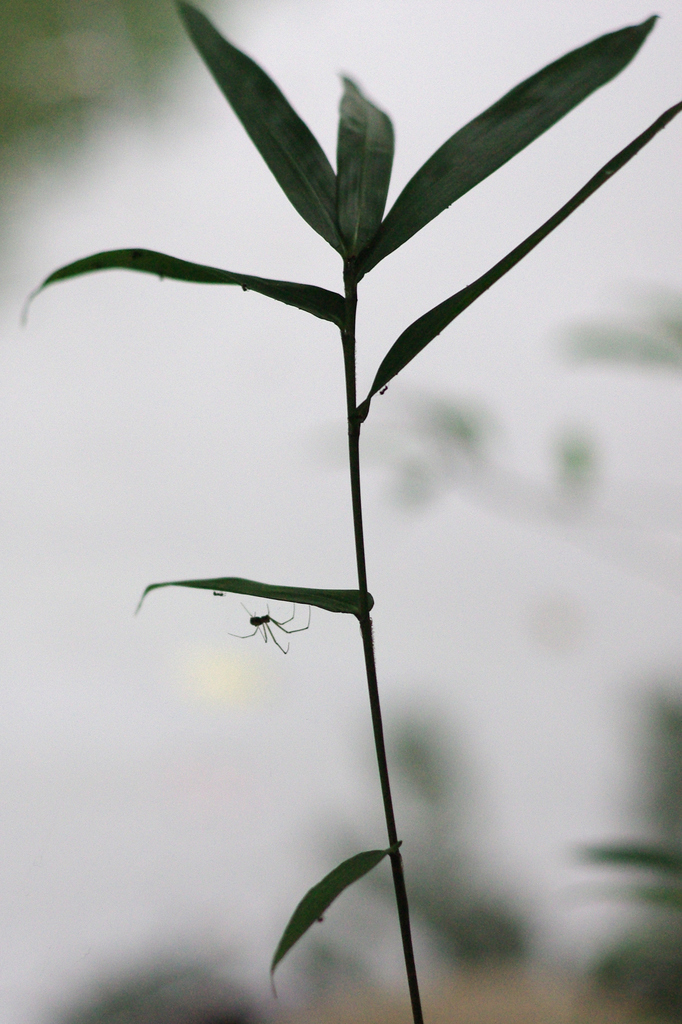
284, 621
280, 625
244, 636
274, 638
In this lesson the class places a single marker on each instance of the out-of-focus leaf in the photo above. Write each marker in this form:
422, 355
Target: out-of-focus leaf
318, 301
501, 132
321, 896
427, 327
624, 346
331, 600
65, 66
285, 142
659, 895
364, 157
634, 855
576, 460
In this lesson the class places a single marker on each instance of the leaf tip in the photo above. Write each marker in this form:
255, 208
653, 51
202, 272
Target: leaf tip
348, 82
23, 319
144, 594
189, 15
279, 955
645, 27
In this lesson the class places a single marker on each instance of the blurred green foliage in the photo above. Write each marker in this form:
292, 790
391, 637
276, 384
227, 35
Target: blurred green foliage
655, 338
469, 920
163, 994
442, 443
646, 967
456, 901
438, 442
663, 780
646, 963
576, 460
67, 65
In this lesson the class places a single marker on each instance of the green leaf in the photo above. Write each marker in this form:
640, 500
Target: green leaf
636, 856
427, 327
318, 301
331, 600
364, 157
321, 896
287, 145
501, 132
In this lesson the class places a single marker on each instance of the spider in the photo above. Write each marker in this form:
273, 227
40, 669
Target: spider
264, 624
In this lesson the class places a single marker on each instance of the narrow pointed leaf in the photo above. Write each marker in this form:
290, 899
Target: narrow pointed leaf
321, 896
318, 301
285, 142
501, 132
331, 600
364, 157
427, 327
633, 855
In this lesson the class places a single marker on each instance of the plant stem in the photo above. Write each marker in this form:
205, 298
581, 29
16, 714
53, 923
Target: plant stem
354, 425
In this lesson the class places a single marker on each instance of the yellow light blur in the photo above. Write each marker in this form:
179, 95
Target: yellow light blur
226, 677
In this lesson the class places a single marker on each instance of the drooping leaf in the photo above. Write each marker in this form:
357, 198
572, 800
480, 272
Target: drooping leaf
364, 157
331, 600
427, 327
318, 301
501, 132
285, 142
634, 855
321, 896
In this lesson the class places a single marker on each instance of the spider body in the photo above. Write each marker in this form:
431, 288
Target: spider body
263, 624
262, 620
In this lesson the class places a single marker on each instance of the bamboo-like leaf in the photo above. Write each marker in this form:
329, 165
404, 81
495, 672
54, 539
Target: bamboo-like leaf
364, 157
318, 301
285, 142
331, 600
635, 855
427, 327
501, 132
321, 896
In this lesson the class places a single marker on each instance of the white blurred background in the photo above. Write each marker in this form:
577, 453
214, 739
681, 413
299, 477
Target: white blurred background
168, 787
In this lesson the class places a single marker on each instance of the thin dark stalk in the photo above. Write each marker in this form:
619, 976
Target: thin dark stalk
354, 425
